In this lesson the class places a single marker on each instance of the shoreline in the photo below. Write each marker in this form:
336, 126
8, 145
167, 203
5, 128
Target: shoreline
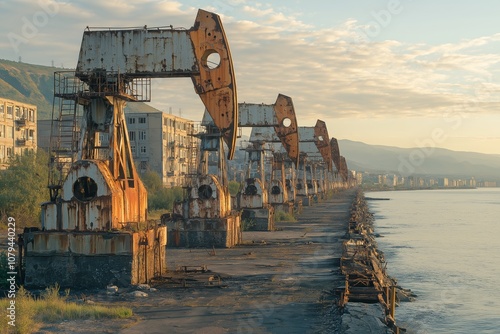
370, 295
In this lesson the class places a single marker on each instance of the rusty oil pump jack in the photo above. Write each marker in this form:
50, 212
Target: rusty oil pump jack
94, 228
284, 143
315, 157
204, 218
257, 196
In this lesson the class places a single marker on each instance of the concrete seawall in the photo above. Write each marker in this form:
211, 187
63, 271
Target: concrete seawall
368, 297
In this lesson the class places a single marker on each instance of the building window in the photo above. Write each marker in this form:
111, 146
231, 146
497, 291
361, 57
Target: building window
131, 135
131, 120
143, 150
2, 111
132, 148
142, 135
2, 131
18, 113
9, 111
9, 152
142, 120
32, 115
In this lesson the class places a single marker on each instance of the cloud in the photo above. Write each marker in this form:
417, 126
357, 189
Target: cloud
330, 73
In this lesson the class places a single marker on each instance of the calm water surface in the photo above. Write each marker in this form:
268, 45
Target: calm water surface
444, 245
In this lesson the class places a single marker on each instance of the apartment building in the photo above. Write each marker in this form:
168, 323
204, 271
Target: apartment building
163, 143
17, 129
159, 141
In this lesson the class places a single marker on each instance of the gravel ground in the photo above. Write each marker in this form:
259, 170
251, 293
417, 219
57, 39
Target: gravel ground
275, 282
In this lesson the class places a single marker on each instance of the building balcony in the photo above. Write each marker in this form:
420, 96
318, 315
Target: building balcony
21, 142
20, 123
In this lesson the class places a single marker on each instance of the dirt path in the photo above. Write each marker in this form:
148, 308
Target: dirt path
276, 282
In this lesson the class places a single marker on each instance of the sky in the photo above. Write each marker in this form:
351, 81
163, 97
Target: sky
403, 73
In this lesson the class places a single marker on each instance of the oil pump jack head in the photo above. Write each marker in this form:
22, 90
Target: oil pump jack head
322, 142
202, 53
287, 128
215, 83
334, 145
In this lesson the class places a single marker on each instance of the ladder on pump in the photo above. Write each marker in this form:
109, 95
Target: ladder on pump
65, 132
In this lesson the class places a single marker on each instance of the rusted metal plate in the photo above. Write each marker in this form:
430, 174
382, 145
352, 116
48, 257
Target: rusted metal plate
114, 243
93, 200
155, 52
264, 134
281, 116
287, 128
334, 145
256, 115
314, 144
311, 151
207, 199
277, 193
252, 195
322, 141
216, 86
343, 169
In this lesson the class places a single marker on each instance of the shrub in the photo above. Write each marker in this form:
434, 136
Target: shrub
281, 216
234, 187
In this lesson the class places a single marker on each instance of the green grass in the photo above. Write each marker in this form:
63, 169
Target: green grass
281, 216
234, 187
31, 312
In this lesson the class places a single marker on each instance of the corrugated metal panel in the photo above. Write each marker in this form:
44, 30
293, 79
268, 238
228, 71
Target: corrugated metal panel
140, 52
306, 134
265, 134
256, 115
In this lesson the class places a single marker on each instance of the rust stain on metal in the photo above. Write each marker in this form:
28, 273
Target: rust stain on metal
322, 142
253, 194
335, 153
216, 86
343, 169
288, 133
207, 199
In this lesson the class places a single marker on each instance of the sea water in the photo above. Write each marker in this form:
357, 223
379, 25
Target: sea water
444, 245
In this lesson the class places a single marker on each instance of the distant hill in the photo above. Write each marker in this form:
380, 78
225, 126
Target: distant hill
34, 84
28, 83
437, 162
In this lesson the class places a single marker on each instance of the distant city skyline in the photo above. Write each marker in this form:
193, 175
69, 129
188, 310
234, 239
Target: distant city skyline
395, 72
